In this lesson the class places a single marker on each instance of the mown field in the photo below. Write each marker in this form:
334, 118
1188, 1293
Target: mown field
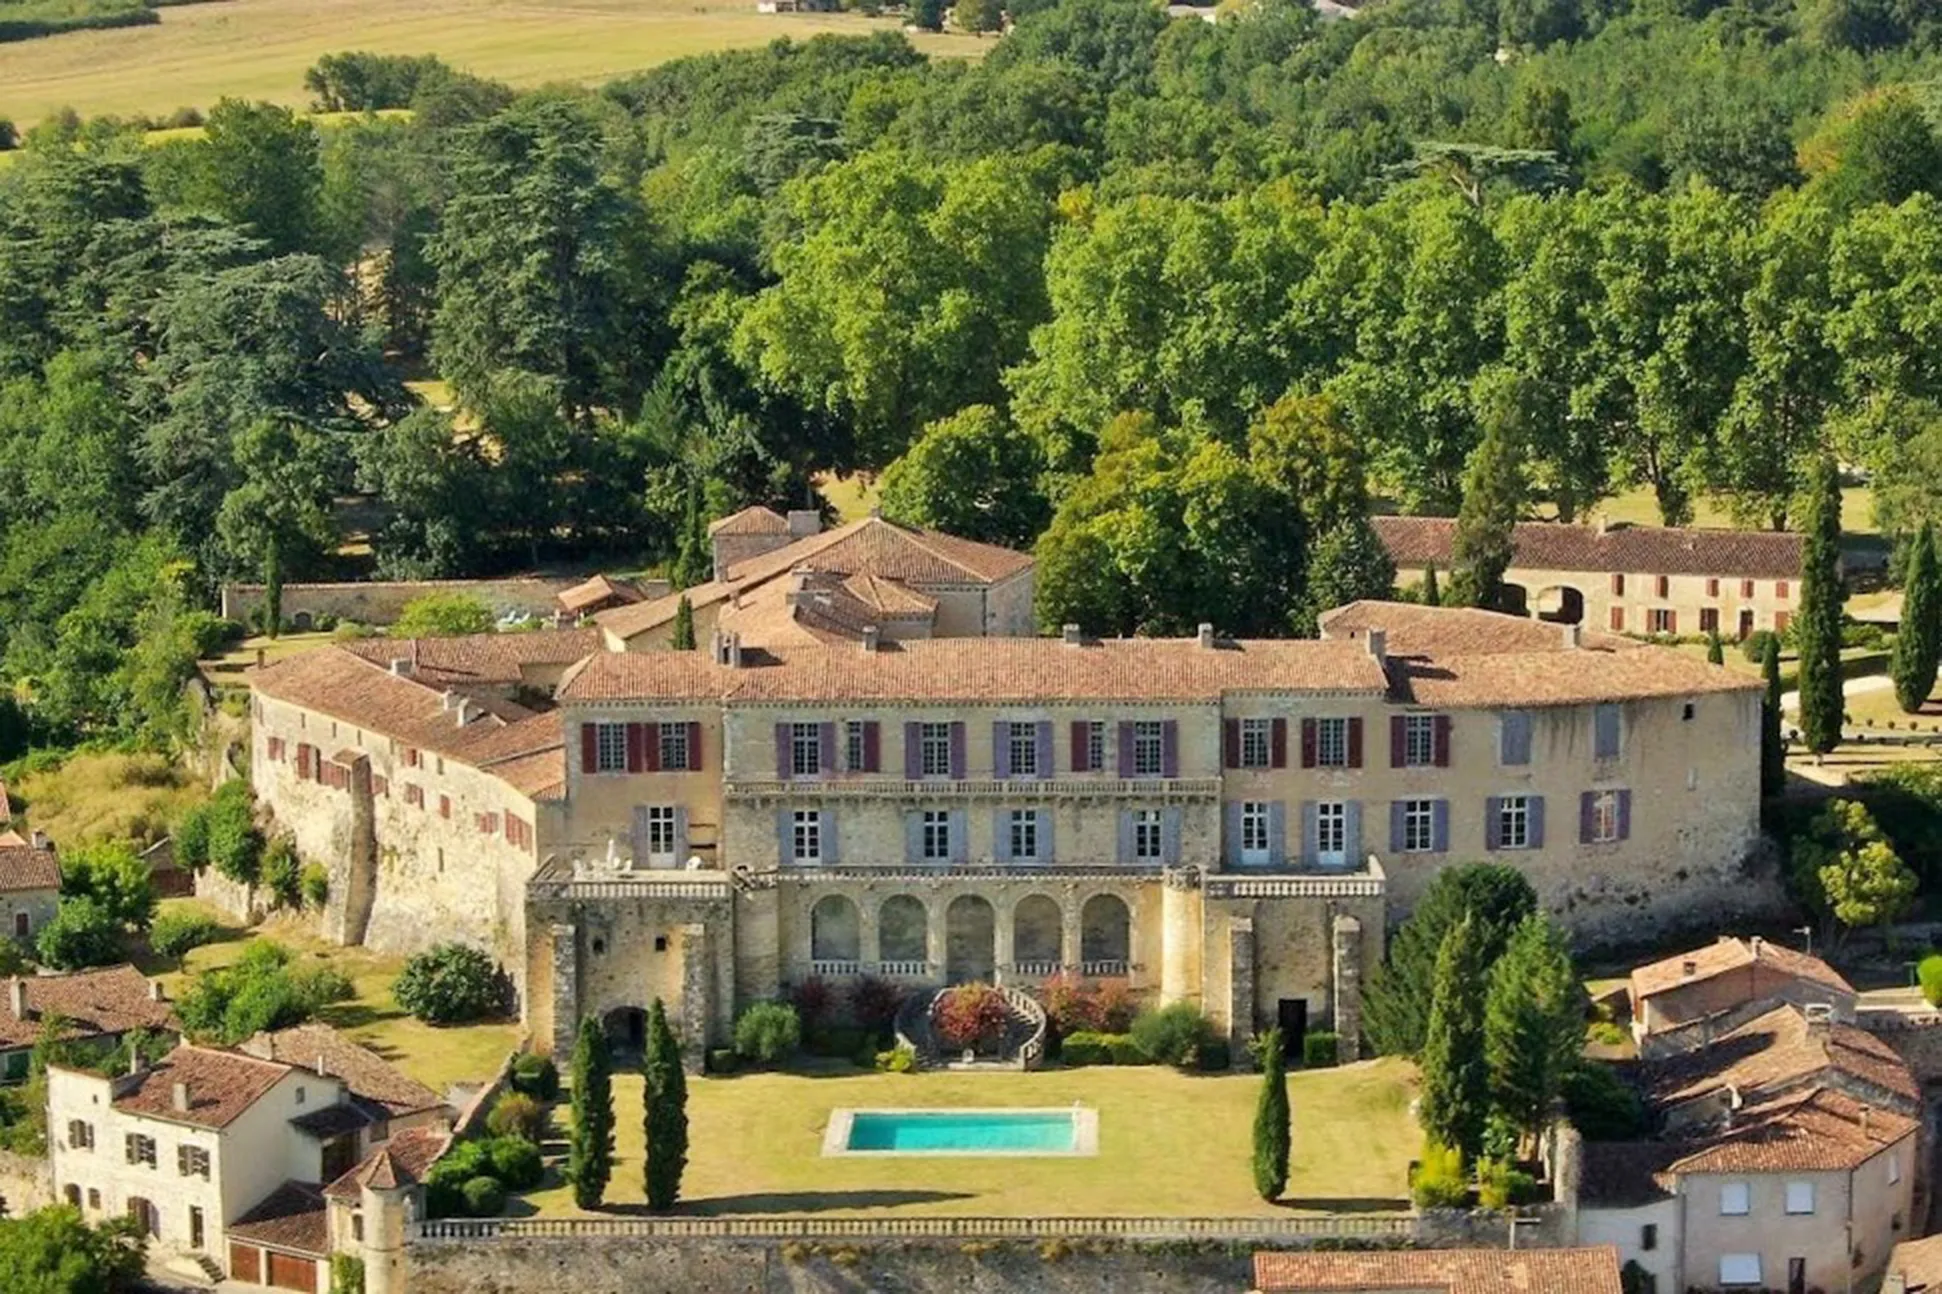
259, 49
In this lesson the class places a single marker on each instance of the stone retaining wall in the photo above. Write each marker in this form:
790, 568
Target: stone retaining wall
377, 602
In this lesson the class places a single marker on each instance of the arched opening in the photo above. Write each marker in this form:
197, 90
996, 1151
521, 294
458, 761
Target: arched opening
72, 1194
1514, 599
1037, 930
626, 1028
970, 940
301, 622
144, 1215
903, 930
835, 930
1106, 933
1561, 604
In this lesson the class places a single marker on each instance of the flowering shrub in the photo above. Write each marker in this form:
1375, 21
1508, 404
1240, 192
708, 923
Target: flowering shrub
1075, 1006
970, 1015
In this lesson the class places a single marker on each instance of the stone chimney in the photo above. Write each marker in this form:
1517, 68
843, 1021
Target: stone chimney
156, 992
1867, 1119
1688, 968
1070, 634
40, 840
17, 997
462, 708
1378, 646
1758, 945
869, 638
728, 649
805, 522
1574, 637
1205, 636
179, 1096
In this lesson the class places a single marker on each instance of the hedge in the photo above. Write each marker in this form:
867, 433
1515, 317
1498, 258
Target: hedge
1319, 1050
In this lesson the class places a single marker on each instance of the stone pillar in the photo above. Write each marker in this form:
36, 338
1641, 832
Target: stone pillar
1179, 931
1072, 937
1240, 991
1002, 949
697, 994
1347, 932
383, 1249
868, 940
566, 989
936, 904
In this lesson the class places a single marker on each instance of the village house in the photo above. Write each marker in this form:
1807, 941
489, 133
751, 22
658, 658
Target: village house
1440, 1271
99, 1007
1641, 580
1684, 1001
30, 891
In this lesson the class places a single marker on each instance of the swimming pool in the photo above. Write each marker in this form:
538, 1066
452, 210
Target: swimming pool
962, 1132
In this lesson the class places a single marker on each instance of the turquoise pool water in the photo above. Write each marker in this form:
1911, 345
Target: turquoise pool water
949, 1131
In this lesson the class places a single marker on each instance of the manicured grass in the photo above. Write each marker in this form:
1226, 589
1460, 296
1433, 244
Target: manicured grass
1169, 1143
1640, 508
1879, 709
851, 496
259, 49
107, 796
227, 669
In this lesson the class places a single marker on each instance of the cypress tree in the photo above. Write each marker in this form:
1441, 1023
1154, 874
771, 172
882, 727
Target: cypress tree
666, 1120
1494, 492
1455, 1104
1534, 1026
1817, 627
684, 625
1773, 753
1715, 650
1432, 596
1918, 643
272, 589
1396, 1002
1271, 1135
590, 1146
693, 562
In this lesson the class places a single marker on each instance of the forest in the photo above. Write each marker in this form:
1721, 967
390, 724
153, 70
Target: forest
1174, 302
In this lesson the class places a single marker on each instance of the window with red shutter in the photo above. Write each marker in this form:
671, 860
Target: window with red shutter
1308, 743
1780, 589
1664, 586
445, 806
1618, 620
1618, 584
1278, 744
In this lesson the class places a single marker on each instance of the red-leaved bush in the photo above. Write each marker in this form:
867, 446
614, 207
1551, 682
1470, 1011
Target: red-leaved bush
812, 999
873, 1003
1075, 1006
970, 1015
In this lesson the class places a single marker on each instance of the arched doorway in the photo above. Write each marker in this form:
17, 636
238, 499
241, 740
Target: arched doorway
1561, 604
144, 1215
903, 930
970, 940
626, 1028
1106, 934
1037, 931
835, 930
1514, 600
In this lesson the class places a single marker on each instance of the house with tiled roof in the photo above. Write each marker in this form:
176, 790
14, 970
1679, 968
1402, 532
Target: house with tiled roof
1686, 1000
1440, 1271
599, 593
99, 1007
30, 890
1915, 1267
1640, 580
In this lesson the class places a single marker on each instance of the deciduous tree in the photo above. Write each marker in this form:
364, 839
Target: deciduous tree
971, 474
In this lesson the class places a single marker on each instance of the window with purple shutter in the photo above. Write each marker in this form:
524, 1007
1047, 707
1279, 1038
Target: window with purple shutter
826, 748
957, 752
1042, 741
1170, 748
1082, 746
784, 761
1125, 748
1001, 749
913, 752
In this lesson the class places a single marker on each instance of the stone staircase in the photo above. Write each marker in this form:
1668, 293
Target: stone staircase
1022, 1047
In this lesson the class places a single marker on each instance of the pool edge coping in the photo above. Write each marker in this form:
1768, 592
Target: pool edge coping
1085, 1132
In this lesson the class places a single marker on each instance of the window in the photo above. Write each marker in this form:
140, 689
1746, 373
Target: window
1712, 586
1604, 816
1096, 746
1780, 589
805, 750
1331, 828
936, 835
1663, 586
661, 840
1660, 620
1021, 742
1148, 749
1618, 584
934, 749
1649, 1237
1734, 1199
1332, 743
1746, 588
445, 806
1618, 620
1024, 833
357, 1228
1739, 1269
1800, 1197
1514, 738
674, 748
140, 1149
1255, 839
1419, 826
610, 748
808, 844
1709, 620
1605, 732
94, 1197
80, 1135
1419, 740
1147, 846
854, 757
1257, 743
192, 1161
1894, 1166
300, 1096
1514, 822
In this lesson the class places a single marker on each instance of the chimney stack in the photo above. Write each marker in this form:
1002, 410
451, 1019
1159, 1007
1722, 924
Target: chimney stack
1205, 635
804, 522
17, 997
1070, 634
1758, 944
40, 839
155, 991
179, 1096
1378, 646
401, 666
1867, 1116
462, 707
1574, 637
261, 656
869, 638
1689, 968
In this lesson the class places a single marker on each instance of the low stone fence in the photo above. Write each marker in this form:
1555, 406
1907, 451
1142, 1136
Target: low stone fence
378, 602
1394, 1227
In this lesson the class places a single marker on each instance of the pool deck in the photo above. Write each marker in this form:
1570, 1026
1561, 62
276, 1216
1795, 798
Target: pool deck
1085, 1132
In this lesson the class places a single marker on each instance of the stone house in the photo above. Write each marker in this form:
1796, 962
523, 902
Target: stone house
30, 891
98, 1006
1440, 1271
1641, 580
1683, 1001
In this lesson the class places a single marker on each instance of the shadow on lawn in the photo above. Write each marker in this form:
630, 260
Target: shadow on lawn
1342, 1204
796, 1202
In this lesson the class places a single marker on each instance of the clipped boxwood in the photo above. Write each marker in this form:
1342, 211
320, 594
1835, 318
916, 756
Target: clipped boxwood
484, 1197
1088, 1048
1126, 1050
536, 1076
1929, 972
1215, 1056
516, 1162
1320, 1049
768, 1032
1172, 1035
721, 1060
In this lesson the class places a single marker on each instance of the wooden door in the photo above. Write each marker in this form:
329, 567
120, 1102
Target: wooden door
291, 1273
245, 1262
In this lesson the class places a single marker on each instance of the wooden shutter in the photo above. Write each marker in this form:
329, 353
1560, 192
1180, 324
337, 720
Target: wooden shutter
1125, 748
1672, 622
1231, 831
651, 747
1440, 826
694, 745
1170, 748
1277, 833
1308, 743
1440, 740
1618, 620
872, 746
957, 751
1352, 831
589, 750
1398, 815
913, 752
1045, 852
1493, 826
1000, 749
1355, 742
1001, 834
1624, 815
1278, 744
1125, 843
914, 836
1081, 743
1042, 746
1587, 816
636, 748
1310, 833
1534, 809
1398, 741
1230, 743
785, 836
784, 767
960, 829
825, 749
1170, 836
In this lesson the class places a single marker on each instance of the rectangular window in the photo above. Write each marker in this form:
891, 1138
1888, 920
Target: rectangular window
1739, 1269
805, 750
610, 748
1618, 585
1618, 620
1024, 834
1709, 620
1649, 1237
853, 748
1514, 738
1712, 586
140, 1149
934, 746
1148, 749
1147, 846
80, 1135
414, 795
1746, 588
1096, 745
661, 840
1332, 743
1331, 828
192, 1161
1800, 1197
1606, 737
937, 835
1254, 830
1780, 589
674, 748
1735, 1199
1021, 742
1514, 822
1604, 816
1419, 826
1257, 743
1664, 588
808, 843
445, 806
1659, 620
1419, 740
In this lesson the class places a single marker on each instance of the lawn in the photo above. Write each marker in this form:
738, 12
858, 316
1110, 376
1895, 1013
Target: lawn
1169, 1143
106, 796
1639, 507
260, 49
436, 1057
227, 669
851, 496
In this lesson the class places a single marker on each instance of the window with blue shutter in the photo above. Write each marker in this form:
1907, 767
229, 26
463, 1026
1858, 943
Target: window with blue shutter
1607, 735
1514, 738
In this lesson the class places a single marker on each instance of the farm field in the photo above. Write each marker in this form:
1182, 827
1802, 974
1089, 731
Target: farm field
259, 49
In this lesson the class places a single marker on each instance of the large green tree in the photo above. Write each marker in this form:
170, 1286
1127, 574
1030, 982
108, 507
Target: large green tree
971, 474
55, 1251
1455, 1104
1534, 1024
1397, 1001
255, 165
1817, 622
590, 1141
1494, 494
1918, 641
666, 1116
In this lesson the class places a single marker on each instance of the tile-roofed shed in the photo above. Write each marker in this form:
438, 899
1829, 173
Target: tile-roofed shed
1728, 954
110, 1000
1415, 542
23, 867
222, 1084
291, 1218
367, 1075
1445, 1271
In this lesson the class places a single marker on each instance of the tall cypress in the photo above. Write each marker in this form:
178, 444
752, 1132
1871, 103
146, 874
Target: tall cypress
1534, 1024
1271, 1132
1817, 627
666, 1120
1773, 753
1494, 493
1396, 1000
1432, 596
1456, 1082
1918, 643
1715, 650
684, 625
693, 559
590, 1145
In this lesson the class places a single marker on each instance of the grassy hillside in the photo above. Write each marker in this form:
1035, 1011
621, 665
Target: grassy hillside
259, 49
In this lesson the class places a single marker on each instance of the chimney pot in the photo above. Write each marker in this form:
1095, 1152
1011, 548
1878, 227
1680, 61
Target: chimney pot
1205, 636
401, 666
1070, 633
179, 1096
17, 997
156, 992
1689, 968
1378, 645
869, 637
1758, 944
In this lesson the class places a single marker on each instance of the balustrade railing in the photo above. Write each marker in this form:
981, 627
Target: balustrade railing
1358, 1226
877, 788
841, 967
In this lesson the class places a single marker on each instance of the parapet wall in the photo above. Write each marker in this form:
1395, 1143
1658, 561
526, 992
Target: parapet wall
379, 602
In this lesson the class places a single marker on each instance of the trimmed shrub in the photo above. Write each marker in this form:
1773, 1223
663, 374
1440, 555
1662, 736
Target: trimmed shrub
1126, 1050
767, 1032
515, 1161
843, 1041
517, 1115
1439, 1181
970, 1016
1173, 1034
449, 984
315, 884
281, 874
721, 1060
1319, 1050
898, 1060
536, 1076
1086, 1048
484, 1197
1929, 972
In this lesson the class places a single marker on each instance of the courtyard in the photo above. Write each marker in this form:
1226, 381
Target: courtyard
1169, 1144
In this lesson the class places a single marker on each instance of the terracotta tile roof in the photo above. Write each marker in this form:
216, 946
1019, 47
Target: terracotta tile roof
1729, 954
595, 590
1780, 1050
367, 1075
1626, 1174
222, 1084
1819, 1130
1415, 542
401, 1161
537, 777
27, 868
1412, 630
111, 1000
478, 659
752, 520
888, 597
291, 1218
985, 669
1446, 1271
1563, 678
1919, 1263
